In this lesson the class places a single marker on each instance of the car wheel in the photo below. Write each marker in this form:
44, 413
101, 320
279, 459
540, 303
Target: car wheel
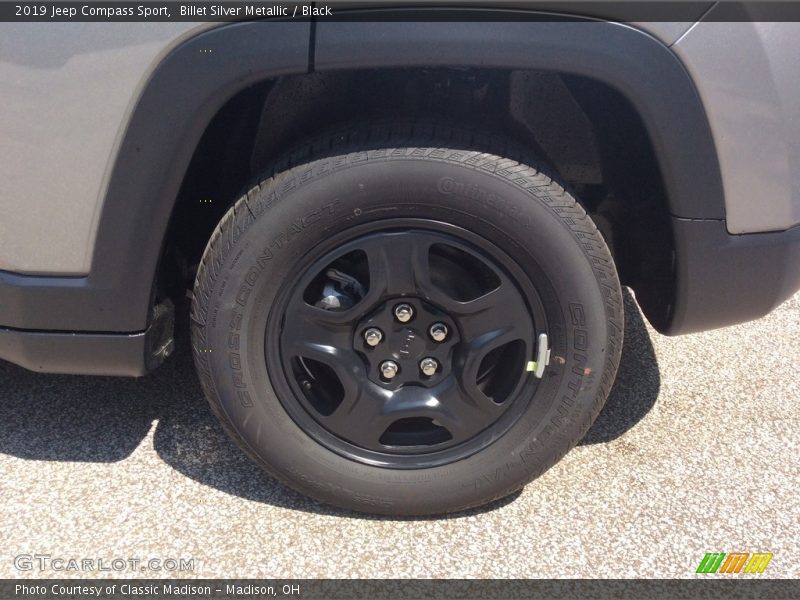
407, 320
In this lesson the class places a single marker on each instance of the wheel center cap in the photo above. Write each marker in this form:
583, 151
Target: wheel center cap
408, 344
399, 346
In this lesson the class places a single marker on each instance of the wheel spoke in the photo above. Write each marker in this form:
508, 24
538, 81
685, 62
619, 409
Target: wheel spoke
487, 323
362, 417
398, 265
323, 336
477, 347
493, 319
462, 414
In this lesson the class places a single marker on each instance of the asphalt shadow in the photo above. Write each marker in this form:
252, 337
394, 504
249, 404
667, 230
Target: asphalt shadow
638, 381
104, 419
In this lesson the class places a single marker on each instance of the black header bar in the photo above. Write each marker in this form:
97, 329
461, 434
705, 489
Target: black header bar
396, 10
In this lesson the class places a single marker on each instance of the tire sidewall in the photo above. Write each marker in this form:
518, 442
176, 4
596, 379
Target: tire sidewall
302, 208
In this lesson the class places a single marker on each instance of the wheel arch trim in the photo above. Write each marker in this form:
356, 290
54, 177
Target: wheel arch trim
639, 66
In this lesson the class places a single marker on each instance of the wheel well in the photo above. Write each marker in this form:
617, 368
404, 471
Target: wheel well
584, 130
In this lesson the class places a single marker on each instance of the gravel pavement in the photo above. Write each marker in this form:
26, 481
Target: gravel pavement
697, 450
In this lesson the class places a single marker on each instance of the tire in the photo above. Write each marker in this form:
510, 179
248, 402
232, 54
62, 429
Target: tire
355, 223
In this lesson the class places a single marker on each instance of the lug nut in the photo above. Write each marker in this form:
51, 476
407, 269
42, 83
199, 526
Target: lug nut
403, 312
428, 366
373, 336
389, 369
438, 332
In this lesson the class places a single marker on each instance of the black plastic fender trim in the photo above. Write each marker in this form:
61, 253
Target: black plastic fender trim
76, 353
640, 67
723, 279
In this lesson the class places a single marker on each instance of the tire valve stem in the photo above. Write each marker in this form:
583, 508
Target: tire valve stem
542, 357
